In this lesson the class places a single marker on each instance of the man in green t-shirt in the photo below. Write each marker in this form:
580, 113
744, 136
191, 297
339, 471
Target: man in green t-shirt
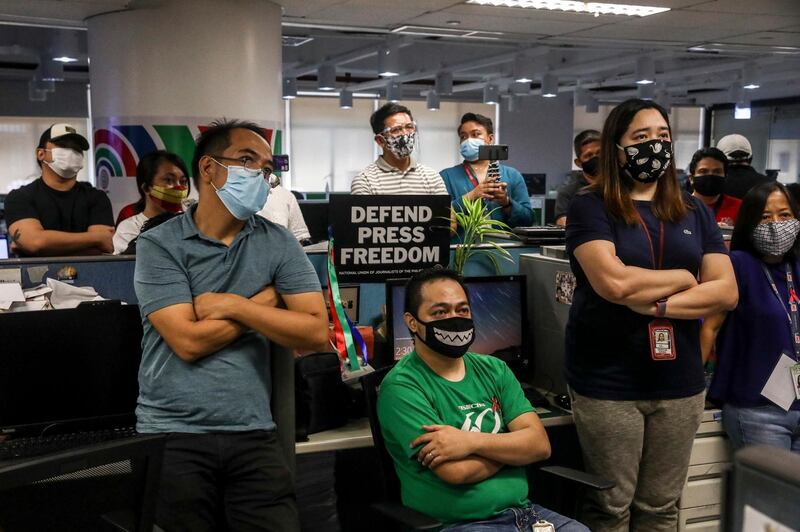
457, 424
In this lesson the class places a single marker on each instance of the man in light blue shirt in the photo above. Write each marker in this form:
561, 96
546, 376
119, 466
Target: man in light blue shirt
209, 285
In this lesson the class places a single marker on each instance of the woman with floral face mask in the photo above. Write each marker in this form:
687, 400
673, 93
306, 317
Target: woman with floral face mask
637, 245
163, 182
757, 340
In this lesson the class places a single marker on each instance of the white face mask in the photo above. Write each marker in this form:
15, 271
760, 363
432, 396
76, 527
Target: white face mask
66, 163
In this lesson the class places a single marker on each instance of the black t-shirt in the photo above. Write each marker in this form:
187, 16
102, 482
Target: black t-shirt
607, 345
739, 179
72, 211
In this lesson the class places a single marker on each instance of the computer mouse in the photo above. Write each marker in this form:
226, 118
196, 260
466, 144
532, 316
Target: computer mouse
563, 401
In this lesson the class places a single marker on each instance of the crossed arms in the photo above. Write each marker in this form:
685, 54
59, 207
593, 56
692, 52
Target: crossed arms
28, 236
212, 321
640, 288
461, 457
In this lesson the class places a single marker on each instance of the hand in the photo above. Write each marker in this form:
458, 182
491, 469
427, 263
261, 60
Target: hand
500, 195
485, 190
646, 309
269, 297
443, 443
104, 238
212, 306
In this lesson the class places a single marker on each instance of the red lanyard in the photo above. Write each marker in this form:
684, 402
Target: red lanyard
650, 241
471, 175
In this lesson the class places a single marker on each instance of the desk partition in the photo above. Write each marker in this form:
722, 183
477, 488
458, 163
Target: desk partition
112, 275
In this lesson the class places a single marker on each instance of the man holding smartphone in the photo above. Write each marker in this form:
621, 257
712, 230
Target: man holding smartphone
501, 187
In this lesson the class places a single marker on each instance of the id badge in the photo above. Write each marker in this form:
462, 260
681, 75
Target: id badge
662, 340
543, 526
794, 371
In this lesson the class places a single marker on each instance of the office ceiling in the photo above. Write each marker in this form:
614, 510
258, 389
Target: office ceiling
702, 49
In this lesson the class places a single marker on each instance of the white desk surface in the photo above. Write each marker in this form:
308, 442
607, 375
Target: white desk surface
356, 434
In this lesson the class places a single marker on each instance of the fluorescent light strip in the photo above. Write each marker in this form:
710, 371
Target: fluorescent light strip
331, 94
595, 8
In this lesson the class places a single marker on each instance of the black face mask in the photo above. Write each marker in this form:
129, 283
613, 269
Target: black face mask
647, 161
709, 185
450, 337
592, 166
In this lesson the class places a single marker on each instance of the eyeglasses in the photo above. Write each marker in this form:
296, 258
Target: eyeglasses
399, 130
248, 163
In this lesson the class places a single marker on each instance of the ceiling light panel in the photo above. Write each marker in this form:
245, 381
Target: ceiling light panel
595, 8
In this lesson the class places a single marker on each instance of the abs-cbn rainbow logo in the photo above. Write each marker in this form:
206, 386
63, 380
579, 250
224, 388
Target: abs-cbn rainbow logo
118, 149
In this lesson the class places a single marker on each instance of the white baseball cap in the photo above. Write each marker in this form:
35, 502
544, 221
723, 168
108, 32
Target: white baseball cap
58, 132
732, 143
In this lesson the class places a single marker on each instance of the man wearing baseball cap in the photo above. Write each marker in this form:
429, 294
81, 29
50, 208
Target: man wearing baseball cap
56, 214
741, 177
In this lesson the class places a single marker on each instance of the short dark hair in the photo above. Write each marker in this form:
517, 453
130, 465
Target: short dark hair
583, 138
147, 168
485, 121
217, 138
413, 296
378, 118
708, 153
750, 213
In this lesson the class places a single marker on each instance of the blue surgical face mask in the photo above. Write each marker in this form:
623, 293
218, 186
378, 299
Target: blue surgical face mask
244, 192
469, 148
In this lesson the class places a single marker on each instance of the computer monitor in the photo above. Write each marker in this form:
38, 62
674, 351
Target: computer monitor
535, 183
3, 247
762, 490
499, 310
315, 214
67, 368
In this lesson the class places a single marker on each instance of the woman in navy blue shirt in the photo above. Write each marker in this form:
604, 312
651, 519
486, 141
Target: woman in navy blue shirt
758, 333
637, 245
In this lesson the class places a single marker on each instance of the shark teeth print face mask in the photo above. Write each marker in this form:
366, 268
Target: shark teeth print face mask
647, 161
450, 337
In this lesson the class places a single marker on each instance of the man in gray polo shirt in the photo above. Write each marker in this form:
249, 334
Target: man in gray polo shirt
209, 284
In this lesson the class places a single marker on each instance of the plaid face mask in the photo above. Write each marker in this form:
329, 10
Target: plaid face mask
775, 238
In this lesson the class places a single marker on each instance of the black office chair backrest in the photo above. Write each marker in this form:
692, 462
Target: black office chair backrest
370, 384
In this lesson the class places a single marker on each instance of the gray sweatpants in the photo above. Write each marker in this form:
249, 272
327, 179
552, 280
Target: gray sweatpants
644, 447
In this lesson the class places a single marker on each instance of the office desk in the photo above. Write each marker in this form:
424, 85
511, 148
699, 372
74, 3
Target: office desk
356, 434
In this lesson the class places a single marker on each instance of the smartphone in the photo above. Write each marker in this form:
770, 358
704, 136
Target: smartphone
281, 163
492, 152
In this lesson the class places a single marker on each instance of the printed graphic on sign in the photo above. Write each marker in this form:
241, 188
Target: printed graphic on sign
120, 143
384, 237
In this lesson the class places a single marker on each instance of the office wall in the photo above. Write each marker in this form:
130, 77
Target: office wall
68, 100
539, 135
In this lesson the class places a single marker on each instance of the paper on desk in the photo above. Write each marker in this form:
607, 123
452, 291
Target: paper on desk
68, 296
37, 291
29, 305
9, 293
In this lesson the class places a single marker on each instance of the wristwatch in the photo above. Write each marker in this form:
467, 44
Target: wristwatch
661, 308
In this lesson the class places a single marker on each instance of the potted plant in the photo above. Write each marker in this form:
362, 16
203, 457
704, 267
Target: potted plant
475, 224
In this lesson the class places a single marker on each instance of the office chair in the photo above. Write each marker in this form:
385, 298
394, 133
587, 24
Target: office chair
408, 519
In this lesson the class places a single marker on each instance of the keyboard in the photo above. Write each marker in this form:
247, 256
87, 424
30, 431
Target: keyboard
540, 235
39, 445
